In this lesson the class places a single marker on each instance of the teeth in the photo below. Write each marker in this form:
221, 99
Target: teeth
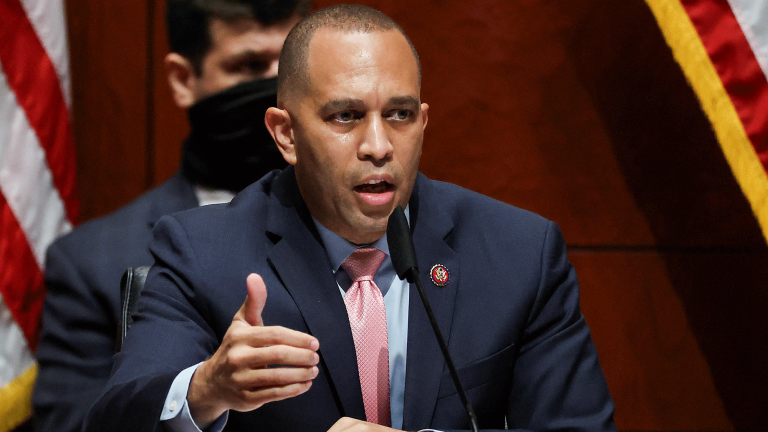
373, 182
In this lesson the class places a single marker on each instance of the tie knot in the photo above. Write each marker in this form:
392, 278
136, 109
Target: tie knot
363, 262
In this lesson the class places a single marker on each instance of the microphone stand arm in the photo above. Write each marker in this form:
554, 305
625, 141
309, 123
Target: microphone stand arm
412, 277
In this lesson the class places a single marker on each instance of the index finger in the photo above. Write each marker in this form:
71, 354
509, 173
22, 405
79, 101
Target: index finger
277, 335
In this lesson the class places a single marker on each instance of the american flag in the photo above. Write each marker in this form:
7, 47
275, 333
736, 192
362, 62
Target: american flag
37, 182
722, 47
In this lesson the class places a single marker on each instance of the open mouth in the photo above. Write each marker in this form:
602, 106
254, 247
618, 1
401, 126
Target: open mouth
374, 186
376, 192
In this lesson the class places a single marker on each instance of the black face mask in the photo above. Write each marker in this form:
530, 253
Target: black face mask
229, 146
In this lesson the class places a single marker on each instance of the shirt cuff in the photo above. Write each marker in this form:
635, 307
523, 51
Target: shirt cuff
176, 413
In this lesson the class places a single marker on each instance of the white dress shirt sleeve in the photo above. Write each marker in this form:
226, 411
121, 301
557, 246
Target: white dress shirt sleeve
176, 413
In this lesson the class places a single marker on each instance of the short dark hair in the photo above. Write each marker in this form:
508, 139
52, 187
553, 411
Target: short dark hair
188, 21
292, 72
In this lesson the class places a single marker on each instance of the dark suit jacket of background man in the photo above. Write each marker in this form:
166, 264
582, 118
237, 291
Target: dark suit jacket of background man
82, 306
510, 314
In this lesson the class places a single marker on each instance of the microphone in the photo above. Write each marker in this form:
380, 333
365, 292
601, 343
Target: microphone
403, 256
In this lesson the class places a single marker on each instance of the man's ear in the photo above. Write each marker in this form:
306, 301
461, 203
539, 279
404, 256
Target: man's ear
280, 126
182, 79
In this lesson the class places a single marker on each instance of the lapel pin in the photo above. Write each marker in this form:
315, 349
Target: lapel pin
440, 275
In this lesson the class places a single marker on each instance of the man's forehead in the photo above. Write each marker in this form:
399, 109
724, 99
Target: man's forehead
347, 57
357, 47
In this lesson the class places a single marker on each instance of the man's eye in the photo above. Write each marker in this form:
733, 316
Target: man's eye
401, 114
254, 67
344, 116
257, 66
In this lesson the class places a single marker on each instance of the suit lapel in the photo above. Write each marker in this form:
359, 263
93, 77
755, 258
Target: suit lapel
301, 262
425, 364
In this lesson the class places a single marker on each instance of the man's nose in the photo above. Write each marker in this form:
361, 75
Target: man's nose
376, 144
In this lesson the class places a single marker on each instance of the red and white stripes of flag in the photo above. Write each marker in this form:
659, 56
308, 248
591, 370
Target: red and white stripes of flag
37, 182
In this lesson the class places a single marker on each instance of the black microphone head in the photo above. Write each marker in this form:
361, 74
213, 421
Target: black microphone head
401, 249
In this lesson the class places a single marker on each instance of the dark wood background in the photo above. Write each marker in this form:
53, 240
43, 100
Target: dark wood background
572, 109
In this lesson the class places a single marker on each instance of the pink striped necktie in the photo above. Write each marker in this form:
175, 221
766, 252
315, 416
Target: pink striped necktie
368, 320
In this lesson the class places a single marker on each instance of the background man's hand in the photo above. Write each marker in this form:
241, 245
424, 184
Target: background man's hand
238, 375
346, 424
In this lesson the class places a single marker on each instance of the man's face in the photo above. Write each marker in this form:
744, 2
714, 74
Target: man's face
358, 130
241, 50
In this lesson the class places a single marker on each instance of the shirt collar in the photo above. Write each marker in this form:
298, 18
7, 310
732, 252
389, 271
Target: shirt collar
206, 195
338, 248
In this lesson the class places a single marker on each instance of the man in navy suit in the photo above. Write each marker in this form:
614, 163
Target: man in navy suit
222, 68
350, 122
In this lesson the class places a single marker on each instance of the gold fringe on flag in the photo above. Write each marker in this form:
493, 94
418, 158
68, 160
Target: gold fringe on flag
16, 397
690, 53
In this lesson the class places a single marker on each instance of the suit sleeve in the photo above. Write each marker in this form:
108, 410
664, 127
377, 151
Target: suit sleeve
169, 334
557, 380
76, 344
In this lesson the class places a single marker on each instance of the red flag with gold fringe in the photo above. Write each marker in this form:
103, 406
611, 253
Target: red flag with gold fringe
722, 47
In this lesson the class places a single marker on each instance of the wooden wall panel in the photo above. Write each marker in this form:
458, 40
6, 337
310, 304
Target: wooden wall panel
170, 125
108, 49
657, 373
679, 335
507, 103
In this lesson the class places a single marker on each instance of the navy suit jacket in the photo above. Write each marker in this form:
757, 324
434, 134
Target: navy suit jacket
82, 306
510, 314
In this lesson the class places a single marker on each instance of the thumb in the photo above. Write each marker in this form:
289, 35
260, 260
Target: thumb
255, 300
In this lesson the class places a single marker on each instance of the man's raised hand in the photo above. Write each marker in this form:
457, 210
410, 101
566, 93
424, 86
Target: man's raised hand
238, 375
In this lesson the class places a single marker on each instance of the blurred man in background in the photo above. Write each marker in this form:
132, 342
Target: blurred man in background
222, 68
